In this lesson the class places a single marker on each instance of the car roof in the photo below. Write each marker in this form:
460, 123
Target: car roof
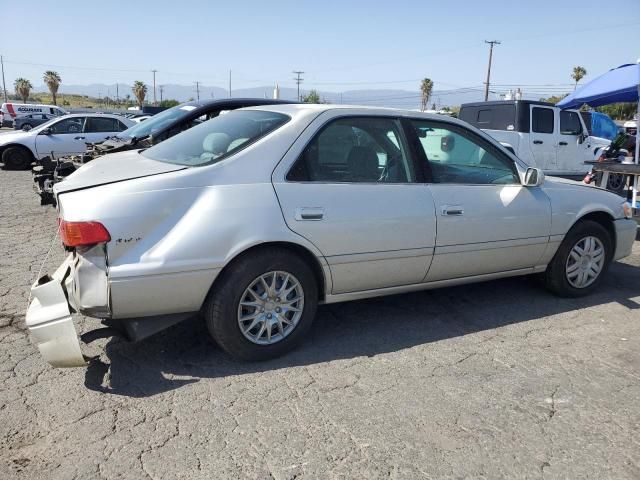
506, 102
234, 103
300, 109
89, 114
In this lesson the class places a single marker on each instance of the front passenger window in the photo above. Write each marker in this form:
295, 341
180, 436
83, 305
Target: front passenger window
68, 125
355, 150
455, 155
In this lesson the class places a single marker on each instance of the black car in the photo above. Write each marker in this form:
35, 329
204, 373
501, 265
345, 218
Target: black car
158, 128
27, 122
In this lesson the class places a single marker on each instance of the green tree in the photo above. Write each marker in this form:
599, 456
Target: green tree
52, 80
22, 87
139, 90
553, 98
619, 111
312, 97
578, 74
426, 88
169, 103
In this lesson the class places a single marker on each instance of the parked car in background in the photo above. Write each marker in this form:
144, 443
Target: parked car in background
159, 127
600, 125
140, 118
27, 122
12, 111
67, 135
557, 141
631, 127
256, 216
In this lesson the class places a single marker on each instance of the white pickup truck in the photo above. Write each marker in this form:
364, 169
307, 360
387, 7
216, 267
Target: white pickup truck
557, 141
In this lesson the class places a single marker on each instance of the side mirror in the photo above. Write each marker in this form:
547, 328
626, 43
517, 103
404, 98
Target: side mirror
534, 177
46, 131
582, 137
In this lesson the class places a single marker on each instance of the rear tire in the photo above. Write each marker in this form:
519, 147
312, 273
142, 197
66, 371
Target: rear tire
17, 158
240, 285
574, 274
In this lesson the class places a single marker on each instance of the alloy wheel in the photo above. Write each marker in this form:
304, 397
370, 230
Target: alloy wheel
270, 307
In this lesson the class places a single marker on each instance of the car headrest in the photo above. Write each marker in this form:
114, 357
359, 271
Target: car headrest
363, 164
216, 143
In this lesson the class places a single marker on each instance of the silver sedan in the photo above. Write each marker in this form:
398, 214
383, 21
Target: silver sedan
259, 215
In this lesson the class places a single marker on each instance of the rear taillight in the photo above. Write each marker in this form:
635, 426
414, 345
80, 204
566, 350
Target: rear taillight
76, 234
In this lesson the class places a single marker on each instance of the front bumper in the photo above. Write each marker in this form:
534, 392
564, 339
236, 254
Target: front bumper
626, 231
49, 319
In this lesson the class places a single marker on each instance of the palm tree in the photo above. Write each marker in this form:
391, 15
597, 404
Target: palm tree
139, 90
426, 87
23, 88
578, 74
53, 81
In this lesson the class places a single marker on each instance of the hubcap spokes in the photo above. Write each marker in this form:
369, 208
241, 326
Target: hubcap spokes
270, 307
585, 262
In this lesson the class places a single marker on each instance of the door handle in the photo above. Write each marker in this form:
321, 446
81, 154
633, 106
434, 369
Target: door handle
563, 143
538, 142
309, 213
453, 210
78, 138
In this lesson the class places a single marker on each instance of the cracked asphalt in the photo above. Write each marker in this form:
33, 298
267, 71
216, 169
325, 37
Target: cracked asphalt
493, 380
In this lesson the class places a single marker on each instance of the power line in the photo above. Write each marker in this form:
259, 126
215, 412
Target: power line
298, 79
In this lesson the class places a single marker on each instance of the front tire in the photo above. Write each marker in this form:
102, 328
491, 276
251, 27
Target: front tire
581, 260
17, 158
26, 127
262, 305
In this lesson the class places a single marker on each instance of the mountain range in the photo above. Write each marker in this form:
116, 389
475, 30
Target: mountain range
408, 99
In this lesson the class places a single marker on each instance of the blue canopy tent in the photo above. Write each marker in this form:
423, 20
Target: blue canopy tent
620, 84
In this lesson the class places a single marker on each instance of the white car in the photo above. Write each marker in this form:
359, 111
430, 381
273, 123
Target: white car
66, 135
141, 118
257, 216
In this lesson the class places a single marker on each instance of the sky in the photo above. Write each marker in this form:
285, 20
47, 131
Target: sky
340, 45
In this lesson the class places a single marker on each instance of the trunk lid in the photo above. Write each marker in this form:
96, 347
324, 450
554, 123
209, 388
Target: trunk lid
112, 168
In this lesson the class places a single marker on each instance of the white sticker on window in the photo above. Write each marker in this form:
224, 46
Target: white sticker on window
188, 108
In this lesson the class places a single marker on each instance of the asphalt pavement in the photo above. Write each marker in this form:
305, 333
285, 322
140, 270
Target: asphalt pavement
493, 380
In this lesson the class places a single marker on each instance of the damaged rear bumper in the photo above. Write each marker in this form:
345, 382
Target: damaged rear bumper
49, 319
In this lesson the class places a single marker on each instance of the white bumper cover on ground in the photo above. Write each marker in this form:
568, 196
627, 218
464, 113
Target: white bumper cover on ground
50, 322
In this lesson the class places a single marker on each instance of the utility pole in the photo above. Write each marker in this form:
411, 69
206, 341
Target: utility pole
486, 85
161, 87
298, 78
155, 103
4, 87
117, 94
197, 90
229, 83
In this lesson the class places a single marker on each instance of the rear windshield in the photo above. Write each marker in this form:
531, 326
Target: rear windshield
217, 138
490, 117
157, 122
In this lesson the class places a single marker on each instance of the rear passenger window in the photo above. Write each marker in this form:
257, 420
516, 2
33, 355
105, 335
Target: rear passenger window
355, 150
97, 125
542, 120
